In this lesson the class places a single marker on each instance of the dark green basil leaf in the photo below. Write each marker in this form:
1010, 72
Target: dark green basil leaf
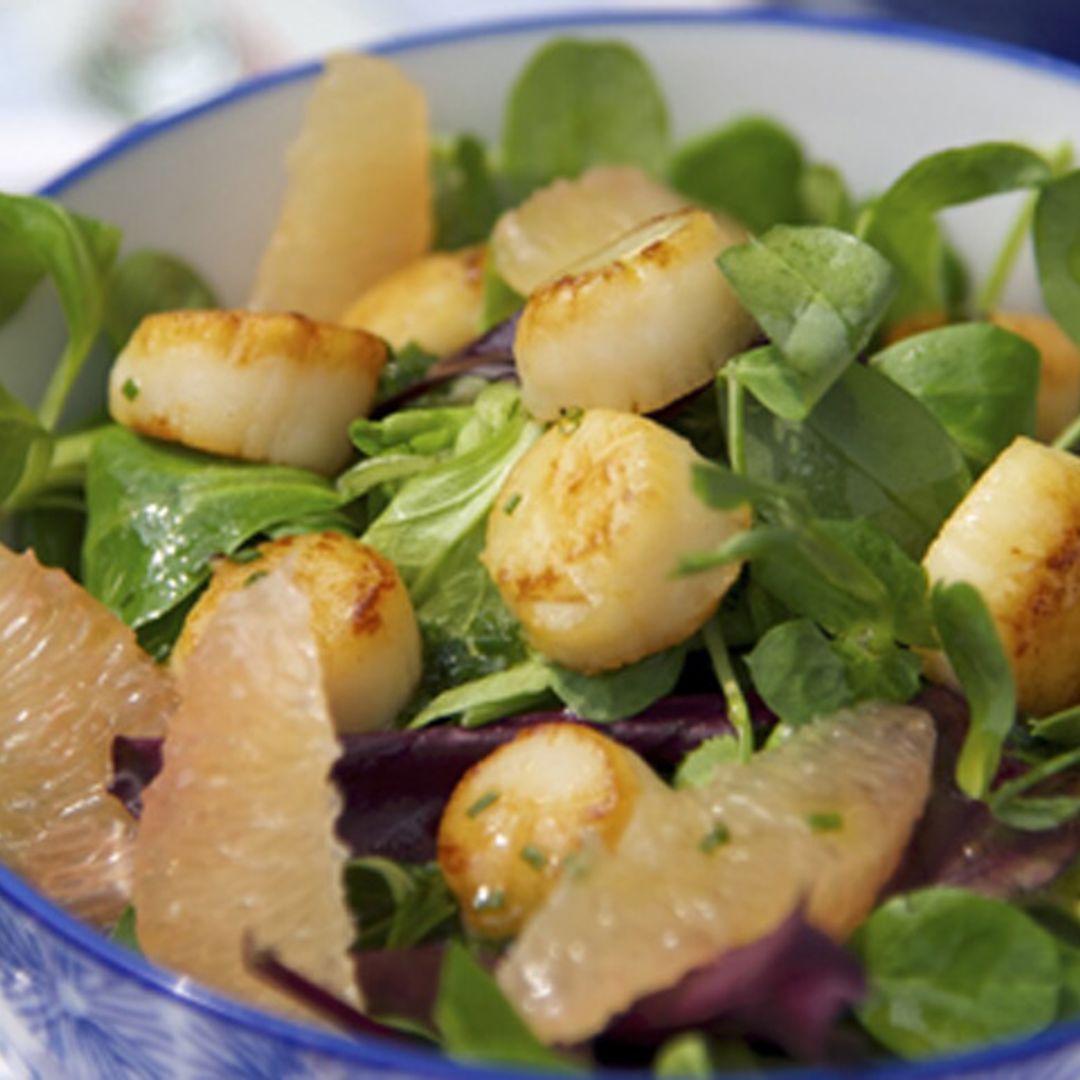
157, 514
868, 449
750, 169
582, 103
41, 238
818, 293
1057, 250
146, 282
980, 381
950, 969
626, 691
477, 1023
971, 642
467, 197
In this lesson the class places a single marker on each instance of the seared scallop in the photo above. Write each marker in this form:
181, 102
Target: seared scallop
435, 302
562, 223
362, 618
636, 325
262, 387
1015, 538
586, 534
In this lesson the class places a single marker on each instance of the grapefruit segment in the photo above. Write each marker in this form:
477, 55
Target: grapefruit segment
73, 677
358, 203
820, 821
237, 838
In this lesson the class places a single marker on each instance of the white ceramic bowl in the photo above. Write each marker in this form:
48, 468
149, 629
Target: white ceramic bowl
206, 183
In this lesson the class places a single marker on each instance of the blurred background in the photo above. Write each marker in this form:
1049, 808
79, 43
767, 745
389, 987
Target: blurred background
75, 72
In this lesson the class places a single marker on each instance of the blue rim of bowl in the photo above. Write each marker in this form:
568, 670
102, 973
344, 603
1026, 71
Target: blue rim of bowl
433, 1063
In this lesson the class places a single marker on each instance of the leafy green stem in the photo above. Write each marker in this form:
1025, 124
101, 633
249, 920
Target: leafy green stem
736, 421
1069, 437
738, 710
52, 403
990, 294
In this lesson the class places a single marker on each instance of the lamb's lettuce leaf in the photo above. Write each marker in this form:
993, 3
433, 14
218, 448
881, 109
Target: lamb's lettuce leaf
157, 515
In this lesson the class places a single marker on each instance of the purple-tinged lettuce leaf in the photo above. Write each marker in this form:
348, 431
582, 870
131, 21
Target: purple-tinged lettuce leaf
789, 987
490, 356
395, 783
959, 842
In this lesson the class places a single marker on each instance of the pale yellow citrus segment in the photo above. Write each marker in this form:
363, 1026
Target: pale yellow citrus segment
73, 678
637, 324
237, 836
570, 219
819, 821
358, 202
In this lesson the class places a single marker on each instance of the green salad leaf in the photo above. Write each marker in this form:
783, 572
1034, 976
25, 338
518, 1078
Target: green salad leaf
751, 169
626, 691
1057, 249
477, 1023
949, 969
467, 196
396, 905
971, 642
818, 294
146, 282
157, 515
980, 381
434, 510
901, 223
580, 103
39, 237
867, 450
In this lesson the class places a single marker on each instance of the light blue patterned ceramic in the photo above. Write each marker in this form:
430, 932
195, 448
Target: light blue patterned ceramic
206, 184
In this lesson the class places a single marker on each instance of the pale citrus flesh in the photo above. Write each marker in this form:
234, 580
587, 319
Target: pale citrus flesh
73, 678
820, 821
237, 844
358, 201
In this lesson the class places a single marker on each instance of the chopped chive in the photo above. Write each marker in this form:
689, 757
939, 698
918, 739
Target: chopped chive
130, 389
717, 837
489, 899
534, 856
252, 578
511, 504
245, 555
482, 804
825, 821
570, 419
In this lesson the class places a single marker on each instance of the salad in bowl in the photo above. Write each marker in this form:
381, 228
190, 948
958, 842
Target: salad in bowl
600, 597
